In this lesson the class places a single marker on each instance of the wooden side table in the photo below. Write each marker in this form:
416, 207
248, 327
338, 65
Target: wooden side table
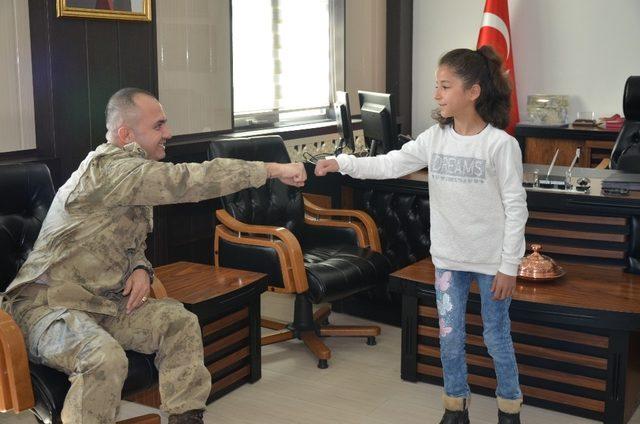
227, 304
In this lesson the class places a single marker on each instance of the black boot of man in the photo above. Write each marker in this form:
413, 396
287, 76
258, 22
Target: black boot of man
190, 417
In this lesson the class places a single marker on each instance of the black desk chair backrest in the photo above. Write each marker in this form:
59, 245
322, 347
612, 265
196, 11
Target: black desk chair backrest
274, 203
27, 191
626, 152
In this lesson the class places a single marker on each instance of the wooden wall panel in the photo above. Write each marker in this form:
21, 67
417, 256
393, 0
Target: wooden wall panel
102, 74
77, 64
400, 58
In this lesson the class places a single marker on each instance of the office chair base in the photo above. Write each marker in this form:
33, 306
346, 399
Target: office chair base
309, 327
317, 347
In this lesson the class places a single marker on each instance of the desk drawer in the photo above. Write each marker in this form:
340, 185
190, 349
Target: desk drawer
227, 351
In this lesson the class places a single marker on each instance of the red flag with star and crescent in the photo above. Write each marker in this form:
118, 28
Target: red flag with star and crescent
495, 31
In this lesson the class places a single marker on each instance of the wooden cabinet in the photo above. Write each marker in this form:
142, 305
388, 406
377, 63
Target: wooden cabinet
597, 150
541, 150
540, 144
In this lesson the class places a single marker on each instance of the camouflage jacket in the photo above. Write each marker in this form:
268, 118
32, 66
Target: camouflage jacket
94, 234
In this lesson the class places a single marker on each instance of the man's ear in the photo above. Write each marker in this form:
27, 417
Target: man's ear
125, 135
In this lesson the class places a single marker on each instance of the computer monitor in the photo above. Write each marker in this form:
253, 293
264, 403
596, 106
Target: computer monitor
343, 121
378, 121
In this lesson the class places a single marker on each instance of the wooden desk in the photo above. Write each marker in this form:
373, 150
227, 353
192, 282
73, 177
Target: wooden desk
227, 304
577, 339
592, 227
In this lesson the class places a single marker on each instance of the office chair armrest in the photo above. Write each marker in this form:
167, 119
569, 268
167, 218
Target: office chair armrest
286, 245
604, 164
158, 291
364, 226
16, 393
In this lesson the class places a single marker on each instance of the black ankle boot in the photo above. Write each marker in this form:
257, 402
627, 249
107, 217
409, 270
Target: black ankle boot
190, 417
506, 418
455, 417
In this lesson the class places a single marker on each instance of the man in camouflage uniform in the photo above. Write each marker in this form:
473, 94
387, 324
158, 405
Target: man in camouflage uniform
81, 298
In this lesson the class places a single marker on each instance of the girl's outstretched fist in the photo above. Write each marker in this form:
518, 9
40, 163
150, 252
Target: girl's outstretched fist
324, 166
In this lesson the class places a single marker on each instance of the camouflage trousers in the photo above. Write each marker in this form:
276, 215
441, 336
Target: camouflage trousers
90, 349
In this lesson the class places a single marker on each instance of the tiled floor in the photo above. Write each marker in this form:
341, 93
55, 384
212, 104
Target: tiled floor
361, 385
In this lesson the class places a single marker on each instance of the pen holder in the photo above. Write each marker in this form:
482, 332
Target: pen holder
567, 180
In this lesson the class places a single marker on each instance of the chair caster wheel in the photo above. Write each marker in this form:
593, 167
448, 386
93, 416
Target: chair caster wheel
322, 364
371, 341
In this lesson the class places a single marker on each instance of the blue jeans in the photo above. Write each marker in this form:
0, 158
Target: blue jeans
452, 291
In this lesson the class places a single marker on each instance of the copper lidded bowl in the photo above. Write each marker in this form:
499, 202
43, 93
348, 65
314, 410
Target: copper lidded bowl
538, 267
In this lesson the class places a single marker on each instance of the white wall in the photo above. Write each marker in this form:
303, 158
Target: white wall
583, 48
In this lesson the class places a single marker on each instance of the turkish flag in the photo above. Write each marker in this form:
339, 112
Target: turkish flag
495, 31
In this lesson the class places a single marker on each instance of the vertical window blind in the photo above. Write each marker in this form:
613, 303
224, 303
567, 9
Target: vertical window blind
16, 81
194, 64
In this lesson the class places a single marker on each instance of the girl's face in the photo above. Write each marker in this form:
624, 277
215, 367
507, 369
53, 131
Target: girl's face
452, 97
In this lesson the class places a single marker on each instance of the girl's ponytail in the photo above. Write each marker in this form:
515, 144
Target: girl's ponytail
496, 105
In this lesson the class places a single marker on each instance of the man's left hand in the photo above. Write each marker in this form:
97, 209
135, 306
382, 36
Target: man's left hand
137, 287
503, 286
292, 174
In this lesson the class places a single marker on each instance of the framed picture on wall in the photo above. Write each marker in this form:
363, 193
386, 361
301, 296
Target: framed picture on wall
131, 10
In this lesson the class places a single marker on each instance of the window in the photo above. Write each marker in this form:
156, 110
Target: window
287, 60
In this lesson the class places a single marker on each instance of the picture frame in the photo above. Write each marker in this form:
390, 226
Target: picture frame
128, 10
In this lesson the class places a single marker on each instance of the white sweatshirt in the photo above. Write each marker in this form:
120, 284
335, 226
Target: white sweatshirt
478, 207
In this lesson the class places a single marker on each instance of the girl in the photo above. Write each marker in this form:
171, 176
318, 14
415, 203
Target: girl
478, 214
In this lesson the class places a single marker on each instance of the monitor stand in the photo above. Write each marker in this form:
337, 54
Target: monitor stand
373, 147
341, 145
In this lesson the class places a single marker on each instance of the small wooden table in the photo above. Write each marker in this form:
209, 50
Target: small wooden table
577, 339
227, 304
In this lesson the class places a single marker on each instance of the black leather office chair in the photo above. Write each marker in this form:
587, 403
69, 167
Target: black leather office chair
626, 152
320, 255
27, 192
